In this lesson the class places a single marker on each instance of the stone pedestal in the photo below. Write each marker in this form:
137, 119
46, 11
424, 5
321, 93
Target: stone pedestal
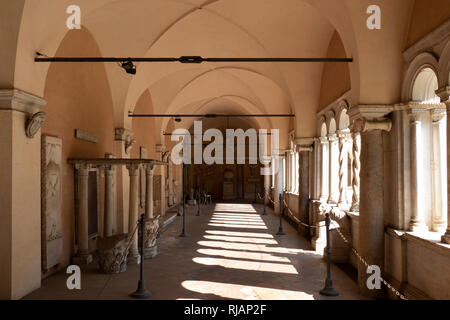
152, 229
112, 254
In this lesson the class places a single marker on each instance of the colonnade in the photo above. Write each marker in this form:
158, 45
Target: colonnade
83, 166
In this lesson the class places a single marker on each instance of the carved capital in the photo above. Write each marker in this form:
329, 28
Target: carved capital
149, 168
443, 93
83, 168
365, 125
129, 145
332, 137
438, 115
133, 168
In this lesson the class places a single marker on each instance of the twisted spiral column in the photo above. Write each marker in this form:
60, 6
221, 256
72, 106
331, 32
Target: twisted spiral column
343, 160
356, 171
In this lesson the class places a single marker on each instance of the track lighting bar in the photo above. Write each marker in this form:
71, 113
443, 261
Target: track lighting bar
178, 116
183, 59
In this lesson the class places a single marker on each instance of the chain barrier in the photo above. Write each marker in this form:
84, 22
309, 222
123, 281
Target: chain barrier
361, 258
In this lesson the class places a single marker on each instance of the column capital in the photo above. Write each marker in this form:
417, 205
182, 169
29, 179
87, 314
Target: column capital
108, 168
133, 168
366, 118
332, 137
323, 140
149, 168
304, 144
343, 134
83, 166
443, 93
437, 115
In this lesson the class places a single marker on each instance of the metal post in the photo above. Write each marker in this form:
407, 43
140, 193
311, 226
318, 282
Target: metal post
198, 203
141, 292
183, 232
265, 199
255, 194
328, 290
280, 229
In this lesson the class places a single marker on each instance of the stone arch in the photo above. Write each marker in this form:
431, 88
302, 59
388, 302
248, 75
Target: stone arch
420, 62
444, 67
331, 122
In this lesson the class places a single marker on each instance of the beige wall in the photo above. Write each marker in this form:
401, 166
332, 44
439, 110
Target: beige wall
335, 76
426, 17
78, 97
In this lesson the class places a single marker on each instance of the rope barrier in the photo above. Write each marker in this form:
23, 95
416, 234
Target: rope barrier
358, 255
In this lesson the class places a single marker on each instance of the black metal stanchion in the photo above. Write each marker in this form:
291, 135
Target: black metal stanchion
280, 229
141, 292
328, 290
183, 232
198, 204
265, 200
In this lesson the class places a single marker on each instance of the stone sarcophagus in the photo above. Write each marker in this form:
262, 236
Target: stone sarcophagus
112, 253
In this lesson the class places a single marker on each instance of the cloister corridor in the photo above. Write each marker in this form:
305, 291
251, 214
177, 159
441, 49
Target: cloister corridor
231, 252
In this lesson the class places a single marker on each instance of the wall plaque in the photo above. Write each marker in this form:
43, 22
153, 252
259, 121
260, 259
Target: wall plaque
51, 201
86, 136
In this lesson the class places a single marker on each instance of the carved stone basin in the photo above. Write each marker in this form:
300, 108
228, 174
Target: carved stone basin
112, 253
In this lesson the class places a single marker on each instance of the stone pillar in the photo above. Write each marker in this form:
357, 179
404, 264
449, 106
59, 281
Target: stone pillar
333, 195
417, 222
170, 181
121, 139
343, 166
108, 227
149, 171
304, 151
356, 167
20, 193
267, 177
133, 256
439, 171
444, 94
371, 224
278, 188
324, 176
82, 256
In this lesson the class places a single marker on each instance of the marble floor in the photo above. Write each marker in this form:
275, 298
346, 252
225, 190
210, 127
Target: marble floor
231, 252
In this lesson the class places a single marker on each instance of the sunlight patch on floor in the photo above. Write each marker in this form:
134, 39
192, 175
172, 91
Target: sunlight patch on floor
259, 256
241, 239
240, 234
247, 265
250, 247
241, 292
236, 226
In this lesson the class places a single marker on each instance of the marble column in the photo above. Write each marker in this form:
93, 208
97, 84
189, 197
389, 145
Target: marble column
444, 94
417, 222
149, 172
356, 167
108, 226
82, 256
439, 171
133, 255
304, 188
324, 176
371, 224
278, 189
343, 166
333, 195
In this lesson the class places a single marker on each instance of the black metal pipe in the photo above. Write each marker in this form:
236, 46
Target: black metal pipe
328, 290
280, 228
136, 115
183, 232
198, 203
184, 59
141, 292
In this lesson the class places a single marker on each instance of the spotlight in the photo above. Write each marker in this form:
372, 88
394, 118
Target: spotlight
177, 119
129, 67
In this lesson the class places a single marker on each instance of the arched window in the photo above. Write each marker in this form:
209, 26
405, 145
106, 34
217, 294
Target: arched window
425, 86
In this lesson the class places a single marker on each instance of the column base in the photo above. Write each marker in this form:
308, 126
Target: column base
82, 259
134, 258
446, 238
440, 226
418, 227
151, 252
